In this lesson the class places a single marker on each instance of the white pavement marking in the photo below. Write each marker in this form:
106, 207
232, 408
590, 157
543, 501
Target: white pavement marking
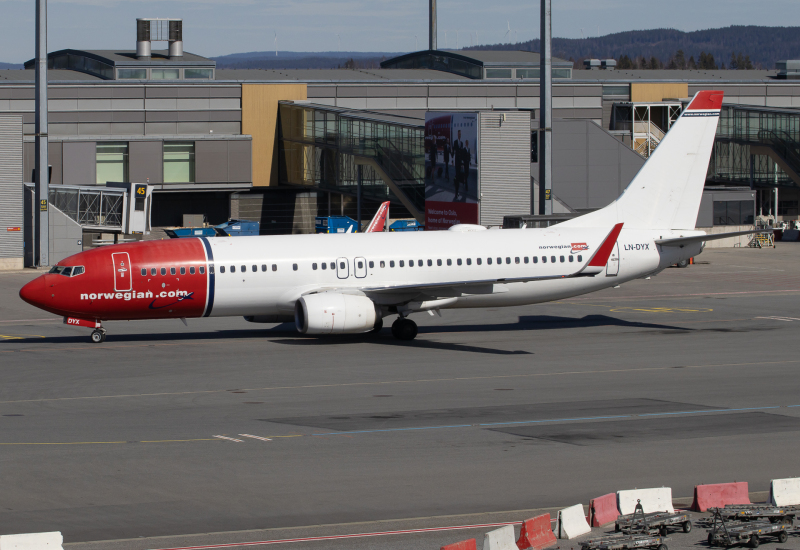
256, 437
229, 438
776, 318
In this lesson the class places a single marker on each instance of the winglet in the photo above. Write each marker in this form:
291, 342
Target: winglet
379, 221
600, 257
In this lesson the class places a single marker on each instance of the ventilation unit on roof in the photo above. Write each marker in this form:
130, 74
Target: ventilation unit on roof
150, 30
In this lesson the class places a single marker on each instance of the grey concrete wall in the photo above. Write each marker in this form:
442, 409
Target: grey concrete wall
80, 163
146, 161
65, 236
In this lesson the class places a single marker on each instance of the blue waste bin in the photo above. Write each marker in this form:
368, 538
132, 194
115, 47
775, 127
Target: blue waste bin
406, 225
335, 224
237, 228
183, 232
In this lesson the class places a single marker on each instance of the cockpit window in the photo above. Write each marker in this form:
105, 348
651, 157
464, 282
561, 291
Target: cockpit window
67, 271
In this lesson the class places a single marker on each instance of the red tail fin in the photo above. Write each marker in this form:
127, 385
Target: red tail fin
379, 221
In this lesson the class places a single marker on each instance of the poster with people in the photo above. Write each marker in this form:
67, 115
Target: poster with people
451, 169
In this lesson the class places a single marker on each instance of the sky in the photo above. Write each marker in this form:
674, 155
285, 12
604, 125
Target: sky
220, 27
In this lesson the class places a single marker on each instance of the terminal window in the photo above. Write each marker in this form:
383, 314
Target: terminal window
179, 162
112, 162
734, 212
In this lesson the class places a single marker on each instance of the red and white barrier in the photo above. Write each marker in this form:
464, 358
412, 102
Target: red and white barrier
32, 541
603, 510
500, 539
785, 492
653, 500
718, 495
571, 523
536, 533
470, 544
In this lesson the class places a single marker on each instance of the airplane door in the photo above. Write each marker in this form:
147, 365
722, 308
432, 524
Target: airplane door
360, 267
342, 268
123, 281
612, 267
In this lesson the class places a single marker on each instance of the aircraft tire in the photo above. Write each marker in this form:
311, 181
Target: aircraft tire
98, 336
404, 329
683, 263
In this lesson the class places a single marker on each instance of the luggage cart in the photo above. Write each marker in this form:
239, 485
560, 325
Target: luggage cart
626, 542
653, 522
726, 534
746, 512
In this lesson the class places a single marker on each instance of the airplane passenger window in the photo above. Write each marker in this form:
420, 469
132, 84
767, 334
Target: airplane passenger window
439, 262
469, 261
571, 259
314, 267
255, 268
342, 265
552, 259
449, 261
479, 260
183, 271
233, 269
172, 271
274, 267
244, 269
263, 267
508, 260
360, 264
163, 271
78, 270
153, 271
499, 261
324, 265
536, 259
144, 272
222, 269
562, 259
371, 264
391, 263
203, 269
191, 270
402, 263
410, 263
580, 258
383, 264
430, 263
544, 259
526, 259
458, 261
294, 267
516, 260
489, 261
333, 265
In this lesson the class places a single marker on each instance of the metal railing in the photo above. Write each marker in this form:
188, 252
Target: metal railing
91, 207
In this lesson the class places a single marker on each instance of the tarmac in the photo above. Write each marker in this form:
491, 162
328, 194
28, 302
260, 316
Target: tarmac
225, 433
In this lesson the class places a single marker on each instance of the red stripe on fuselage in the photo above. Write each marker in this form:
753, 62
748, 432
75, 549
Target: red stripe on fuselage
92, 295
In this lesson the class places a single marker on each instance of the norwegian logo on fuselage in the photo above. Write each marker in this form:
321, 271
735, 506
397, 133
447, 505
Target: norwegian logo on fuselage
579, 247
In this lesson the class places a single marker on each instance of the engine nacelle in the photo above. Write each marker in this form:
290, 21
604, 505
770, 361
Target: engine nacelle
334, 313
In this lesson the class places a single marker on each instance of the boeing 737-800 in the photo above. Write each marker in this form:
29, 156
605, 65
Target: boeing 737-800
348, 283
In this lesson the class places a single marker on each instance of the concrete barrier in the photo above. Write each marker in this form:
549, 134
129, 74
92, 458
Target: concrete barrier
785, 492
470, 544
603, 510
718, 495
536, 533
32, 541
571, 523
653, 500
500, 539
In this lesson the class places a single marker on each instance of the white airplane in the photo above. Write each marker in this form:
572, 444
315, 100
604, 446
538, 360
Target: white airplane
350, 283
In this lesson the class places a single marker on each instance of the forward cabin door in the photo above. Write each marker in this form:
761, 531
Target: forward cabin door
612, 267
342, 268
123, 281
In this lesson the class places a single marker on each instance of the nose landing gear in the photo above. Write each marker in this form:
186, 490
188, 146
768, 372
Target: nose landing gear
98, 335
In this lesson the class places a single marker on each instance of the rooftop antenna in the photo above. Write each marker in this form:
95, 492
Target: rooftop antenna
276, 43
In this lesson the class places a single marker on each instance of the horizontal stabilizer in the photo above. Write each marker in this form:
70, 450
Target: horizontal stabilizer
683, 241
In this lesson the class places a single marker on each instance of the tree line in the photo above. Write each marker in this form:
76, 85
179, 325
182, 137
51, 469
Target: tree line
678, 61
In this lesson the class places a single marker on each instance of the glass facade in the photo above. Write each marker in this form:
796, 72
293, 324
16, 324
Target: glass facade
748, 140
112, 162
133, 74
498, 73
165, 74
179, 162
198, 73
319, 148
438, 62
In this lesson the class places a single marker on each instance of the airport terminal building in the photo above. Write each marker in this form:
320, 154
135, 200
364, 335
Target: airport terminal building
283, 146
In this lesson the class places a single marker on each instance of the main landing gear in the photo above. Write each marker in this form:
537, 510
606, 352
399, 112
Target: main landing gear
98, 335
404, 329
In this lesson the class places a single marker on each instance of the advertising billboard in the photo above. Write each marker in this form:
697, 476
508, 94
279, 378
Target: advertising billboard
451, 169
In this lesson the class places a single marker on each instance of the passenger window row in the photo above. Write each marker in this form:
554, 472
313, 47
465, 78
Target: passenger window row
173, 271
468, 261
253, 268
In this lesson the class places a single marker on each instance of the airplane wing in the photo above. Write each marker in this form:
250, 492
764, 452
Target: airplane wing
592, 267
379, 221
683, 241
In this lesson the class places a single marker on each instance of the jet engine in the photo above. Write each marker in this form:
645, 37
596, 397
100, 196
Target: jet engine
335, 313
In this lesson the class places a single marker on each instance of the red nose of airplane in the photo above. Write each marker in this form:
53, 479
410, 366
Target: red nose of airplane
33, 292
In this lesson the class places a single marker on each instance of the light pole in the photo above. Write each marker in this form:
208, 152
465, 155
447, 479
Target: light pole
41, 231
